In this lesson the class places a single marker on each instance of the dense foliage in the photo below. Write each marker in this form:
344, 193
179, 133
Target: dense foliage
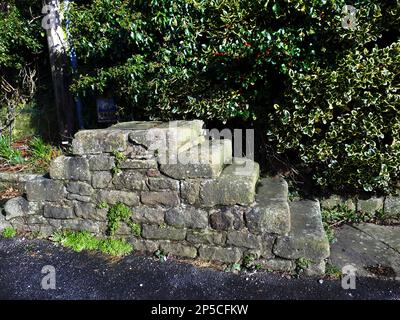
322, 83
19, 35
326, 91
20, 42
22, 54
345, 121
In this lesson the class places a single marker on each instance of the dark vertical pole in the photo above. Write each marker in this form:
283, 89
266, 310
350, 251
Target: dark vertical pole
74, 65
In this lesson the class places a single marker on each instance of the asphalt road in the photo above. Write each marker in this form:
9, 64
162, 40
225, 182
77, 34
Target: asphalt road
93, 276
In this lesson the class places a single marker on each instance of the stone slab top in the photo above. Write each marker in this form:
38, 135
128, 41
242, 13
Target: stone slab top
155, 135
146, 125
136, 125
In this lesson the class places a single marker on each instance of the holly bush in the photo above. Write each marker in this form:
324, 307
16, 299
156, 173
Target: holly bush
321, 81
345, 121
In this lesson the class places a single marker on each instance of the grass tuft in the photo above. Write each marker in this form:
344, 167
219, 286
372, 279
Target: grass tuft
332, 271
117, 213
84, 240
9, 232
8, 153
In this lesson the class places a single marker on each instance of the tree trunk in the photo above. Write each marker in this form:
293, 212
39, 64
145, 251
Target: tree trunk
58, 51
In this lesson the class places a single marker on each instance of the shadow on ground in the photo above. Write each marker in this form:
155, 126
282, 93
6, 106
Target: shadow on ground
92, 276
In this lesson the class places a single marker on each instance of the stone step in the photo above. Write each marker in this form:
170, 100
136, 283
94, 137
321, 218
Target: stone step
272, 189
271, 213
173, 135
100, 141
307, 238
205, 160
236, 185
152, 135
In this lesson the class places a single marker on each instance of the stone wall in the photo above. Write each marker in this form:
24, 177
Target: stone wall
190, 197
387, 206
17, 178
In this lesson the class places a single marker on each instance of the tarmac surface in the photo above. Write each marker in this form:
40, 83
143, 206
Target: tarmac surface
88, 275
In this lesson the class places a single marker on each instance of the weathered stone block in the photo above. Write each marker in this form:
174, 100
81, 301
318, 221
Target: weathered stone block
78, 197
267, 245
84, 210
83, 225
70, 168
45, 190
153, 173
272, 189
156, 184
162, 135
271, 214
101, 179
190, 190
236, 185
81, 188
237, 212
58, 211
129, 180
138, 164
18, 207
43, 230
101, 162
315, 269
204, 161
178, 249
335, 200
206, 237
101, 214
243, 239
89, 211
143, 245
18, 178
114, 196
191, 143
307, 237
187, 217
370, 206
135, 151
162, 233
36, 219
163, 198
100, 141
227, 218
276, 264
3, 222
55, 223
392, 207
273, 217
123, 229
221, 220
148, 215
227, 255
19, 224
254, 253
